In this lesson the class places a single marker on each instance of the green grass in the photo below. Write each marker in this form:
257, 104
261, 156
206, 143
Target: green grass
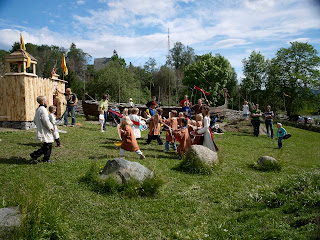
235, 201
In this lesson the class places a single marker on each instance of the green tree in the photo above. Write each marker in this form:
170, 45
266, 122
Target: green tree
294, 72
181, 56
3, 55
255, 72
212, 73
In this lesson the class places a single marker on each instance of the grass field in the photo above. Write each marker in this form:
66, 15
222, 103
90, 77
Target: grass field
235, 202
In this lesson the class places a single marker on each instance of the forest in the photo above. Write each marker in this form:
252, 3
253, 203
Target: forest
289, 82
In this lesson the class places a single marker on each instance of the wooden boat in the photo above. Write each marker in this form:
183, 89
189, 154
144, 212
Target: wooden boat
90, 107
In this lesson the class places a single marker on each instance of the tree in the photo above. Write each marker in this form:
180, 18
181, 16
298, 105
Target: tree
212, 73
293, 73
182, 56
254, 70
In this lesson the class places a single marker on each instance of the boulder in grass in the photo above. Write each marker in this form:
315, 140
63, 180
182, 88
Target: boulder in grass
123, 171
10, 219
203, 155
266, 162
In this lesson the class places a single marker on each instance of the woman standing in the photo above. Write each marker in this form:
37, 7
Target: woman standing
208, 138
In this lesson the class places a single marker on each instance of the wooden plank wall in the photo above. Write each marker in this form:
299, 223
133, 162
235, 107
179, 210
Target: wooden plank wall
18, 95
12, 98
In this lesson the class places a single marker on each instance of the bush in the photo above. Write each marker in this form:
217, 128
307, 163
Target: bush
192, 165
149, 187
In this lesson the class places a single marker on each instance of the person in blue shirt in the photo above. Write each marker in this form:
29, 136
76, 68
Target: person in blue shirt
281, 132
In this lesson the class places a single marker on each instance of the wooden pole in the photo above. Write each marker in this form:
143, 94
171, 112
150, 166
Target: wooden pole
168, 68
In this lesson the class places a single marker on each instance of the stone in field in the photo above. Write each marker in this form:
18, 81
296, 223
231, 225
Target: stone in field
122, 171
203, 155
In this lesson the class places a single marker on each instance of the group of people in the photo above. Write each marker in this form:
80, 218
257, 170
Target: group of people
268, 115
179, 128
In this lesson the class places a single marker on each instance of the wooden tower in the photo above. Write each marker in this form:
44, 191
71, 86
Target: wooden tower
19, 90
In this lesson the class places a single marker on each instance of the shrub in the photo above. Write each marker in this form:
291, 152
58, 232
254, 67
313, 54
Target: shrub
149, 187
192, 165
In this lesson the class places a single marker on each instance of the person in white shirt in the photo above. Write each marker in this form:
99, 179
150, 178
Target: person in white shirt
101, 120
44, 131
245, 109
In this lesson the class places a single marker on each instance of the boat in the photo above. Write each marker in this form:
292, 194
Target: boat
90, 107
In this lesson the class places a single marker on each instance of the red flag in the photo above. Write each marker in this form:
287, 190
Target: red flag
200, 89
116, 113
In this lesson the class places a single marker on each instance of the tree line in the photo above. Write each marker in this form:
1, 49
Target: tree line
289, 82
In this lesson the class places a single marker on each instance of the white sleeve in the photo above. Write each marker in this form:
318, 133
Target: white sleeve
206, 125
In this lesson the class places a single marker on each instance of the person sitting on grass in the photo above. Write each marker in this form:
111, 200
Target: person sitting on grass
281, 132
183, 135
44, 131
129, 142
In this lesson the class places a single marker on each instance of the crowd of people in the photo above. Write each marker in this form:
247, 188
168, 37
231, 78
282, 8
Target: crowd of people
180, 128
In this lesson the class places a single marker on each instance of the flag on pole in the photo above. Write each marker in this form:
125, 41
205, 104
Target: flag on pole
200, 89
22, 46
64, 65
286, 94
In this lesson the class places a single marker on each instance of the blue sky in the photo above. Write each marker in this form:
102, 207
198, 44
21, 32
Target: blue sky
138, 29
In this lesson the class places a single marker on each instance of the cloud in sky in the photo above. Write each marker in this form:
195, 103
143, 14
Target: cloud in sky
135, 27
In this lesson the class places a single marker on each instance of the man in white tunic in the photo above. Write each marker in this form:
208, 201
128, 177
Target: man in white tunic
44, 131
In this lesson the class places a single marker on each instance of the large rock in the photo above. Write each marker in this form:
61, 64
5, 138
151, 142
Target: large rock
266, 161
202, 154
10, 219
123, 171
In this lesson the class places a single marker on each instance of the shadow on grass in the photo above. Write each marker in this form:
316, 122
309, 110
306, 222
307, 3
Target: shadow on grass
33, 144
14, 160
271, 168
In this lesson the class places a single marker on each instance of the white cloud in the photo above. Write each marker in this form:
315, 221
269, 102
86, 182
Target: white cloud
81, 2
300, 40
229, 43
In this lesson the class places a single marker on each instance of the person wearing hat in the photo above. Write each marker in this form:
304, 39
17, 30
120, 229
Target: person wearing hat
131, 102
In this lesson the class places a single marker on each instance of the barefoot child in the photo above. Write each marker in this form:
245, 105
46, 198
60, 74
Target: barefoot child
129, 142
183, 134
172, 122
154, 125
101, 120
44, 131
281, 132
52, 118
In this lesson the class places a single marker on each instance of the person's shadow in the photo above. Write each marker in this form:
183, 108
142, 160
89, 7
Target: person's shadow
14, 160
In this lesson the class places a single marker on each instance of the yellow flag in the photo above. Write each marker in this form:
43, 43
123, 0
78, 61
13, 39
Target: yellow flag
22, 46
64, 66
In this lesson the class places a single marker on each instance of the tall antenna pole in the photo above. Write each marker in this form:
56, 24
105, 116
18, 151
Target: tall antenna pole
169, 67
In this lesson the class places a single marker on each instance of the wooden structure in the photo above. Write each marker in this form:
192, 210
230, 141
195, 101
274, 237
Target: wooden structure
90, 107
19, 89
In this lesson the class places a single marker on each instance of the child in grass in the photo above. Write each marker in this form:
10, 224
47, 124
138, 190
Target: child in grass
52, 118
198, 140
129, 142
101, 120
172, 122
181, 116
281, 132
184, 136
136, 122
154, 126
44, 131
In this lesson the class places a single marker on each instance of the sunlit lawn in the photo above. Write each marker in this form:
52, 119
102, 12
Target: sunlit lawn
224, 205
